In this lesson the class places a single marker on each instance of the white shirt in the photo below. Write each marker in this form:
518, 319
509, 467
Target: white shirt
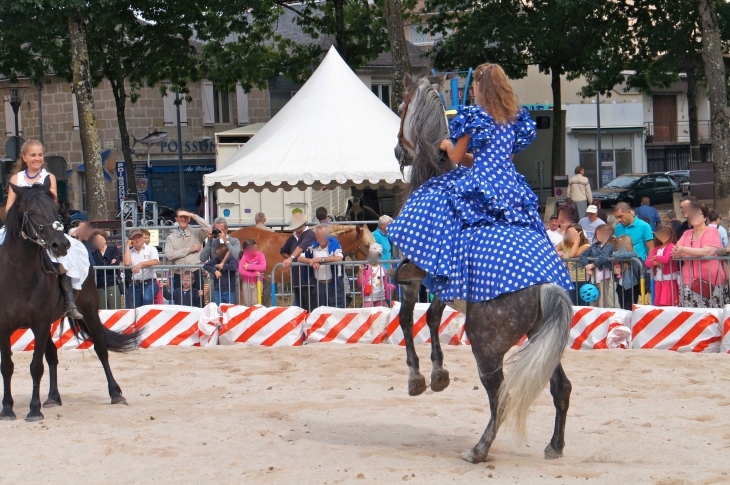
147, 253
23, 182
377, 274
324, 273
555, 237
590, 227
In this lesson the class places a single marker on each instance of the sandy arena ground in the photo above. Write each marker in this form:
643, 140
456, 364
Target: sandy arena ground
328, 414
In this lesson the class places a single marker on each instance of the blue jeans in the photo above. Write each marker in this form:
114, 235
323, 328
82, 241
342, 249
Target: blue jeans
224, 297
141, 294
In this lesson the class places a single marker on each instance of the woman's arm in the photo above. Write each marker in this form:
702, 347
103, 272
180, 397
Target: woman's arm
456, 153
577, 250
11, 193
697, 252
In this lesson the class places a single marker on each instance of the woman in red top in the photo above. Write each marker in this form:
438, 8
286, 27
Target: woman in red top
703, 282
666, 271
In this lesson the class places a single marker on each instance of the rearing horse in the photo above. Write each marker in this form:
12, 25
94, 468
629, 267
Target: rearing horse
30, 298
542, 312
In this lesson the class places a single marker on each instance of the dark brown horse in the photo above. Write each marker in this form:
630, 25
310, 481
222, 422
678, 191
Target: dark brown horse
30, 297
542, 312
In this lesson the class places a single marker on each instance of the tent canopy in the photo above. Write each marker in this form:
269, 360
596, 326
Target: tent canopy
333, 132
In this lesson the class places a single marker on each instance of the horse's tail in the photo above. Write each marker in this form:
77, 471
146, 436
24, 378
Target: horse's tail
530, 368
114, 341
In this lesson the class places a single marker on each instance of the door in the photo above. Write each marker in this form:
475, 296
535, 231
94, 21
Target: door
665, 118
664, 190
645, 188
164, 190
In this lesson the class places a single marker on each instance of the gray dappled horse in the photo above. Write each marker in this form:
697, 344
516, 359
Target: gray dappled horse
542, 312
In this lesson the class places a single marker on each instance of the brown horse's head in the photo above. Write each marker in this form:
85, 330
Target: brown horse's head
355, 240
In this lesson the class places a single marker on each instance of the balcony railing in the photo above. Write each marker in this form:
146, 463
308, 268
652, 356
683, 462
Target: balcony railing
676, 131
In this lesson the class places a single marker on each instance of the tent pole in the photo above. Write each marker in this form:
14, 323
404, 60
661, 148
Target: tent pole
207, 204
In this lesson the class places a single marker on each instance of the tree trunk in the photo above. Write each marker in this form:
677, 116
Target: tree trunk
95, 189
401, 66
717, 90
398, 49
340, 33
558, 165
694, 134
120, 100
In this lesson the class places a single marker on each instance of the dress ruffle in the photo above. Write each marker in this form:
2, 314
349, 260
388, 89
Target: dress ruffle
472, 121
525, 132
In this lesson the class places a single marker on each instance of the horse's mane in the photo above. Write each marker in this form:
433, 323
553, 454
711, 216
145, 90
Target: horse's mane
428, 128
338, 229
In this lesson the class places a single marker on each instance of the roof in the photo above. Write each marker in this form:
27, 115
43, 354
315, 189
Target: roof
243, 130
415, 54
333, 132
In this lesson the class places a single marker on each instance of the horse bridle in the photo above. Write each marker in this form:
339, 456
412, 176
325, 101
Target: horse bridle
400, 153
31, 231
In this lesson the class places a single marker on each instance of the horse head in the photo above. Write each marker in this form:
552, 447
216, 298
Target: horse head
355, 210
423, 127
34, 217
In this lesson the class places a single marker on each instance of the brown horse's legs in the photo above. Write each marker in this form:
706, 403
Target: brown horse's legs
560, 388
7, 368
439, 376
416, 381
54, 398
42, 336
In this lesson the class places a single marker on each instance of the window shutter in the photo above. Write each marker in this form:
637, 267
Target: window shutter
170, 113
208, 105
242, 105
10, 120
75, 111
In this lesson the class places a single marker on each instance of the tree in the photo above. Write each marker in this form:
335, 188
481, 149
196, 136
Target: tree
712, 55
570, 38
393, 10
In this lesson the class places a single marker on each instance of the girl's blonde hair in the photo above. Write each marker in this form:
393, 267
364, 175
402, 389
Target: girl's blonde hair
624, 243
495, 93
602, 228
20, 164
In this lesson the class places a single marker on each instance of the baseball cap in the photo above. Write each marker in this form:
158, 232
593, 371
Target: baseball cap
134, 232
592, 209
554, 216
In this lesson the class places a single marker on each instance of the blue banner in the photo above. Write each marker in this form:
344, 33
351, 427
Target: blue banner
121, 183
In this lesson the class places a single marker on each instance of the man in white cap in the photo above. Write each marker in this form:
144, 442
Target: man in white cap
591, 221
301, 276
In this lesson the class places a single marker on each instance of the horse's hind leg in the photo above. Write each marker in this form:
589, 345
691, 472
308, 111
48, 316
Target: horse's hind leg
96, 332
42, 336
54, 398
439, 376
7, 368
416, 381
560, 389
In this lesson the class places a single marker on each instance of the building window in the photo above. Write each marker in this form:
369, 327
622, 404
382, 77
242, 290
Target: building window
281, 90
382, 91
417, 36
221, 106
614, 163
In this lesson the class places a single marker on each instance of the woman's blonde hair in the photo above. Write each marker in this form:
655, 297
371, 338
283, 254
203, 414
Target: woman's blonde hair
495, 93
20, 164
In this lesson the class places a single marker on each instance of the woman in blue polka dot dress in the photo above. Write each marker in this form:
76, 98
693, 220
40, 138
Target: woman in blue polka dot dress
476, 231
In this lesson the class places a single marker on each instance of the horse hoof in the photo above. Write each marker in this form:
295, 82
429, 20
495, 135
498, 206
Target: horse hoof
119, 400
34, 416
469, 456
51, 403
552, 454
439, 380
416, 385
10, 416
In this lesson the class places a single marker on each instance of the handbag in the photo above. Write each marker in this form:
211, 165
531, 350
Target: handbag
702, 287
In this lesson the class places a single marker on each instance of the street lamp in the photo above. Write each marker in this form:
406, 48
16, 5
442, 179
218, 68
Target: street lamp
15, 97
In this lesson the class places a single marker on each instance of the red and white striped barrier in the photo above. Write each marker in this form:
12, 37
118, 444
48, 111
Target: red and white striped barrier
678, 329
211, 320
259, 325
725, 331
162, 325
347, 325
117, 320
591, 327
451, 328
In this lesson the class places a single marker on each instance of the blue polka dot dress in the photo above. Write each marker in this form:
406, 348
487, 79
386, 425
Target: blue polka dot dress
477, 232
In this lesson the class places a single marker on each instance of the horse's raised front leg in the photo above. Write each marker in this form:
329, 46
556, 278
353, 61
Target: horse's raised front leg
416, 381
7, 368
439, 376
560, 388
42, 335
54, 398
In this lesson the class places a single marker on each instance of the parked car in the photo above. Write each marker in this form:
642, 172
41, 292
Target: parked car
631, 187
683, 177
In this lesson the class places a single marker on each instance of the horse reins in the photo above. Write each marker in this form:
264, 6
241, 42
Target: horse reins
31, 227
401, 136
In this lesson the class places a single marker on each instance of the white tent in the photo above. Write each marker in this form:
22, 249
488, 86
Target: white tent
333, 132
